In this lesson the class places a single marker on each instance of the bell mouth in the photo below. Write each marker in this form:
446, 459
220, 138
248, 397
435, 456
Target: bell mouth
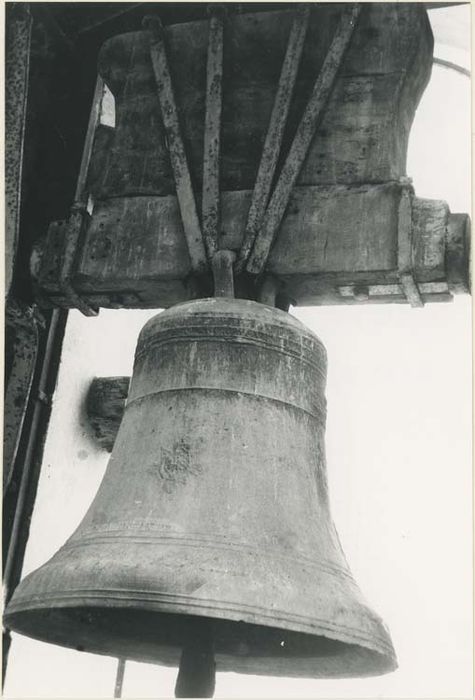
240, 647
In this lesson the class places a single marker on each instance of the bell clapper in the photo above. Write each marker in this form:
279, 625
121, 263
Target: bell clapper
197, 672
119, 678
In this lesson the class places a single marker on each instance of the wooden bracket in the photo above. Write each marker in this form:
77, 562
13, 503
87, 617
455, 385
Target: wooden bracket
105, 404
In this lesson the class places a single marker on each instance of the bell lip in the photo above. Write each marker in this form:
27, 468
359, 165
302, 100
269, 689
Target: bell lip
195, 606
383, 661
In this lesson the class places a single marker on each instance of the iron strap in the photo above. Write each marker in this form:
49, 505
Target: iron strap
181, 172
321, 92
275, 132
404, 249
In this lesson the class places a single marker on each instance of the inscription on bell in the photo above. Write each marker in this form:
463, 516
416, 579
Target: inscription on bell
174, 465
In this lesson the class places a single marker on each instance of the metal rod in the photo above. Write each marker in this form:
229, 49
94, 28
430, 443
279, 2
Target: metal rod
119, 678
275, 132
197, 673
223, 261
184, 189
451, 66
212, 132
28, 460
305, 132
19, 385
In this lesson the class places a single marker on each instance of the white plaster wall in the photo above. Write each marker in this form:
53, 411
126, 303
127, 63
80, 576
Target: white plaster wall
399, 460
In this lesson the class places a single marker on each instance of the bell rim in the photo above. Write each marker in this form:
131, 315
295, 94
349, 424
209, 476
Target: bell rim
384, 660
160, 603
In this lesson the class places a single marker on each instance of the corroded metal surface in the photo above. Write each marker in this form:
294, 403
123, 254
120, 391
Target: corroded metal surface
17, 60
214, 504
212, 131
22, 335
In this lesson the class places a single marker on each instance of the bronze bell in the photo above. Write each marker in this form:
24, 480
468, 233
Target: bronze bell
214, 504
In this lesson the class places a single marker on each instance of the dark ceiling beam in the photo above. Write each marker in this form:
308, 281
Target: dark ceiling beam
440, 5
113, 15
42, 13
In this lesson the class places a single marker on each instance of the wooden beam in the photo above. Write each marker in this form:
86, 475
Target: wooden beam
135, 252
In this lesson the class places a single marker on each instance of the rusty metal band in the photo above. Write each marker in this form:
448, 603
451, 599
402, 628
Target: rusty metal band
404, 250
78, 218
273, 142
319, 98
212, 131
184, 189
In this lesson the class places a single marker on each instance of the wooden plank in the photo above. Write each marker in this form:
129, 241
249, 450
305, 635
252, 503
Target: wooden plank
275, 132
135, 251
212, 132
298, 151
176, 147
335, 228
